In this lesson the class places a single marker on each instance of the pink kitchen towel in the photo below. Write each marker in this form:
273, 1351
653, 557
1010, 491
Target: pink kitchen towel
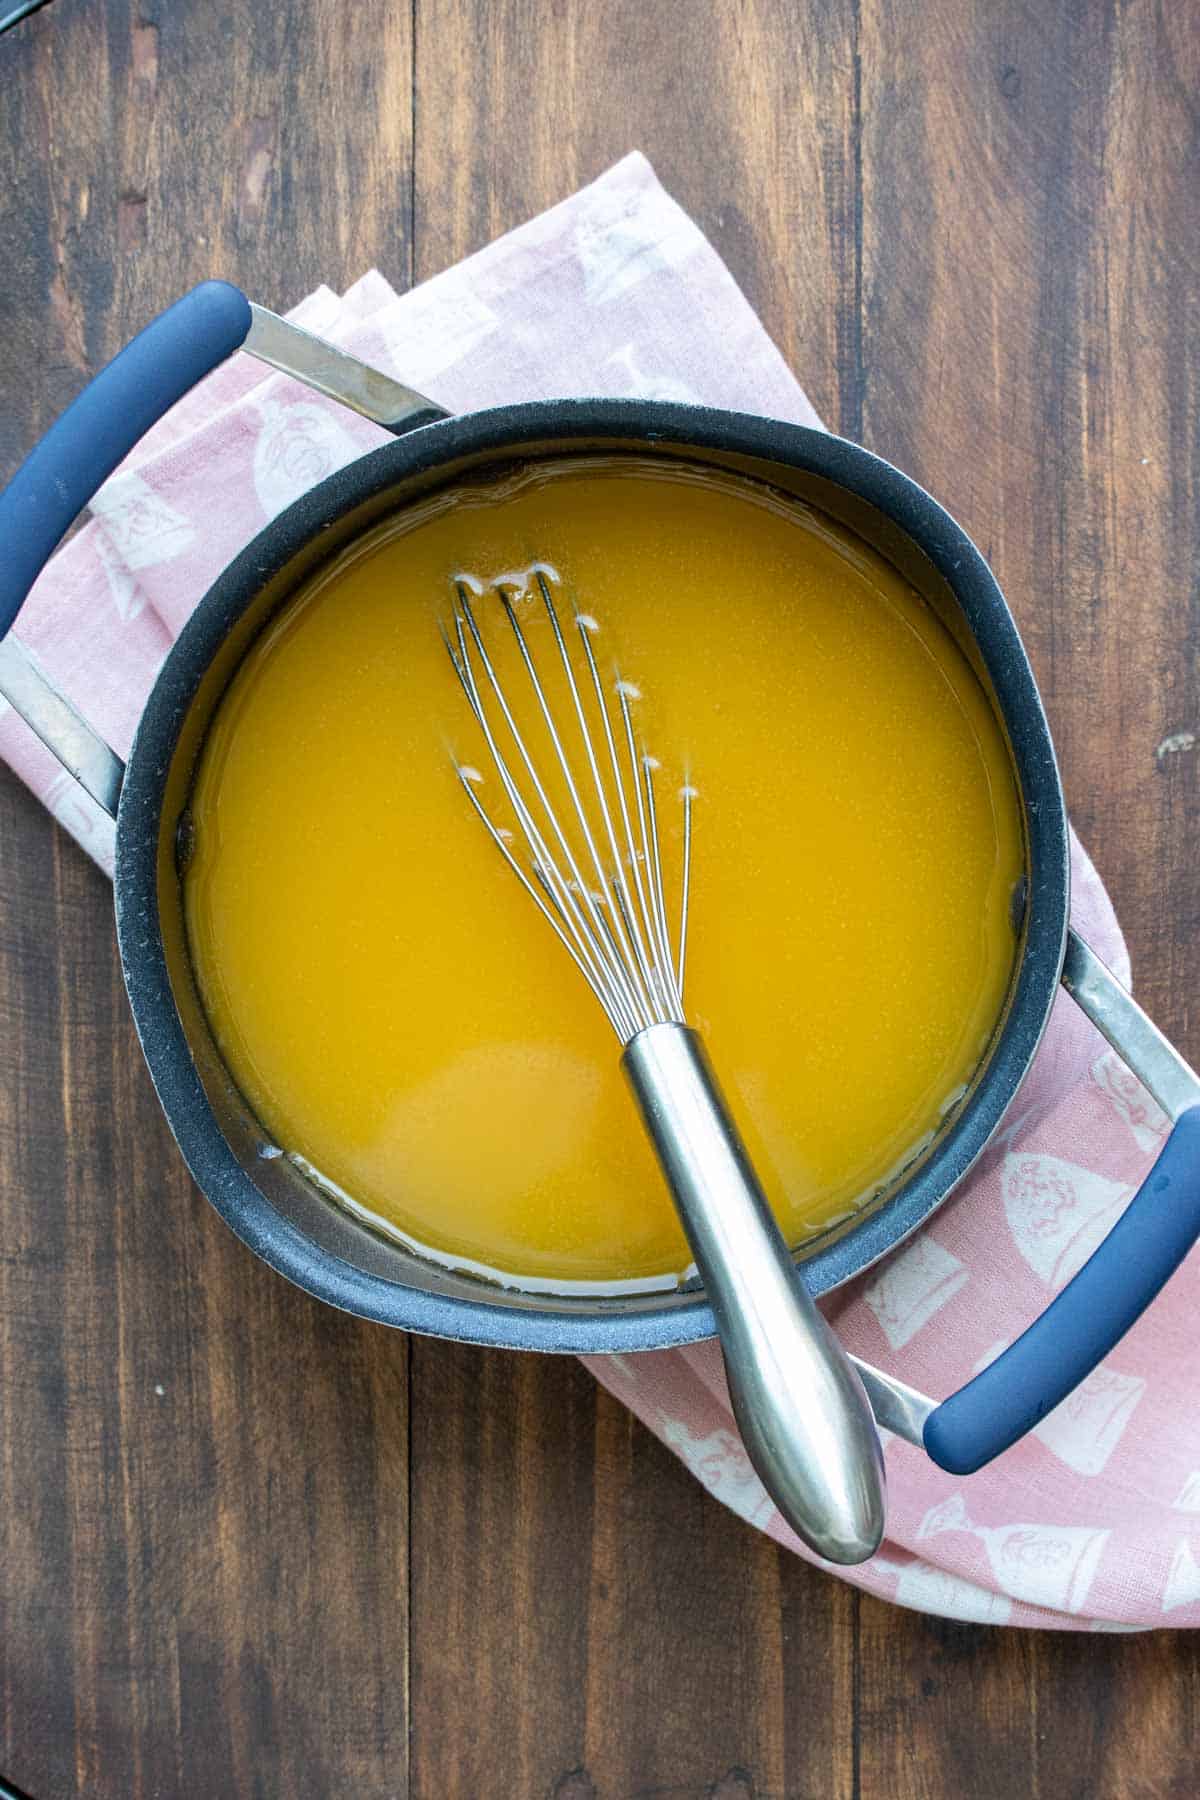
1093, 1523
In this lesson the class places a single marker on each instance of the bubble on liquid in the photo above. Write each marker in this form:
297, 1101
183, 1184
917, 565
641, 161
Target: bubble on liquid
630, 690
688, 792
468, 773
472, 583
650, 762
523, 584
587, 622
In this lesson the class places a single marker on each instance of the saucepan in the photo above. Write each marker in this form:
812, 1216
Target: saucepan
265, 1198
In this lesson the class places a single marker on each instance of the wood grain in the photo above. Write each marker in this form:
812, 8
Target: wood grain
203, 1529
323, 1559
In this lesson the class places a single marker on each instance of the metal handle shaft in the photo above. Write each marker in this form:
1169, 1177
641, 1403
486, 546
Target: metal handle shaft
329, 370
799, 1404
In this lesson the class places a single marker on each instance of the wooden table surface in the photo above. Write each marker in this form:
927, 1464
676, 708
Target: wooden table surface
251, 1547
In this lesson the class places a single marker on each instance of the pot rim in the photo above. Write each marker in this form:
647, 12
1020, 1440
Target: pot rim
547, 428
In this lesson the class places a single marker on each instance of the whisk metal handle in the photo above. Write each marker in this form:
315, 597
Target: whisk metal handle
800, 1405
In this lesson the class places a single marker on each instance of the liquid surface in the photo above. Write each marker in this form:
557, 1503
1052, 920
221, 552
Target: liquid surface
399, 1016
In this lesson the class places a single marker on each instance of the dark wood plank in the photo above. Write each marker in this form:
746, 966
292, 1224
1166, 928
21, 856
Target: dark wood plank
203, 1474
946, 1709
1030, 261
1029, 246
586, 1621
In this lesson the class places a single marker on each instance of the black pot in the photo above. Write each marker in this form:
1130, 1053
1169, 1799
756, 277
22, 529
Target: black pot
267, 1201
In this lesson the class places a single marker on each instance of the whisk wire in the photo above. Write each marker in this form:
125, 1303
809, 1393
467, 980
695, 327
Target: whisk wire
608, 990
649, 967
617, 933
635, 1001
634, 957
688, 795
640, 848
656, 881
563, 891
548, 910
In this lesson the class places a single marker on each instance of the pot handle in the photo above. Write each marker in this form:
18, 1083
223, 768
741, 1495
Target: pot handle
102, 425
1119, 1280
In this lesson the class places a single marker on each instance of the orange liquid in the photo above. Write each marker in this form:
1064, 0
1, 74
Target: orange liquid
402, 1020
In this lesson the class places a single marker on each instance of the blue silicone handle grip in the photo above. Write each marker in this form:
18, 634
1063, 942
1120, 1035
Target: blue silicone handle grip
102, 425
1082, 1323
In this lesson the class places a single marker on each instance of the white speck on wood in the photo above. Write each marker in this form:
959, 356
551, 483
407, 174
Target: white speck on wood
1173, 745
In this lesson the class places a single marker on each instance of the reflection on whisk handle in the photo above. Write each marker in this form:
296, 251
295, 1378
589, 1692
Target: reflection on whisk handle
800, 1406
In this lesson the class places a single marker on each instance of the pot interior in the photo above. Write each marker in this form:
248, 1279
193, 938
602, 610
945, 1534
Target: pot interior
264, 1194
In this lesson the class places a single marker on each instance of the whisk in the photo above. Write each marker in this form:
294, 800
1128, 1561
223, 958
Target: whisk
581, 793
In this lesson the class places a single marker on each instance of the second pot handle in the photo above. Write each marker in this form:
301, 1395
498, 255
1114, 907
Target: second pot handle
1119, 1280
